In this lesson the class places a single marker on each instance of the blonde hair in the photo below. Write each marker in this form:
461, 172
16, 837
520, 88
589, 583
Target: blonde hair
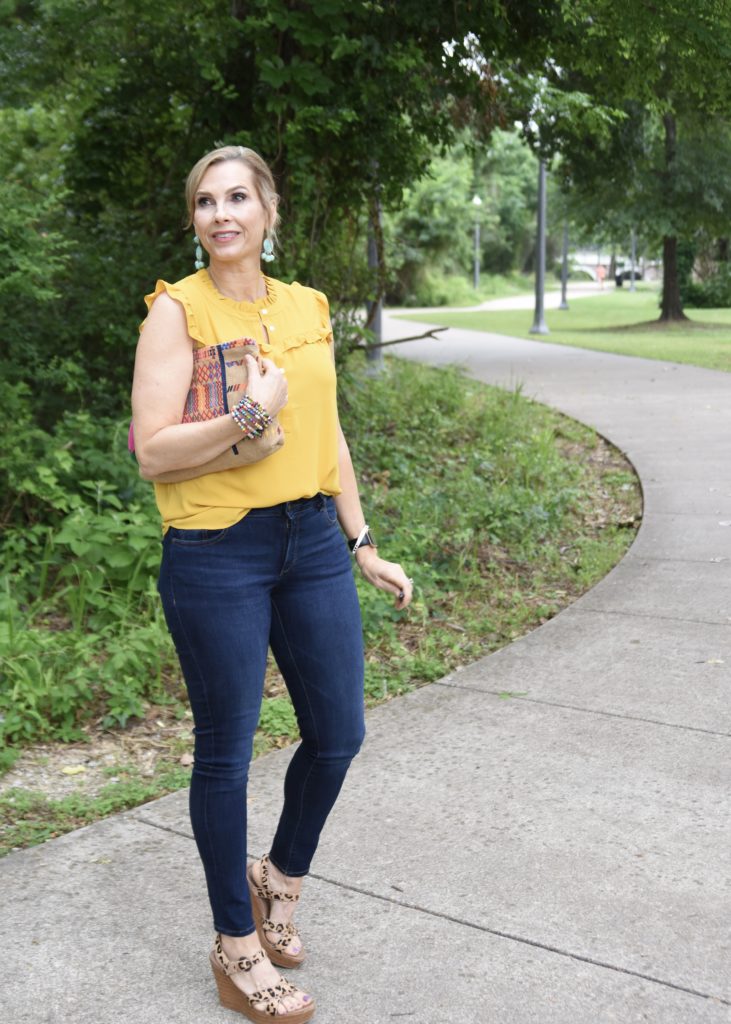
263, 181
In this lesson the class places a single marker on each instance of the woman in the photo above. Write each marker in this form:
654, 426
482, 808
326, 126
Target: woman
253, 557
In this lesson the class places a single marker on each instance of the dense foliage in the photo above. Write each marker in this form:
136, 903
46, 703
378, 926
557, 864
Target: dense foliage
712, 292
106, 105
429, 239
660, 166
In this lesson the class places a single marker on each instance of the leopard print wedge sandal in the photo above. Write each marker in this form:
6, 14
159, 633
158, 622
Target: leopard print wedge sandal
261, 1006
262, 896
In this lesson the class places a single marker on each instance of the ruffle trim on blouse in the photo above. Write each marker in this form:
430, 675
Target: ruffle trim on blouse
206, 282
321, 331
312, 337
311, 304
314, 309
177, 293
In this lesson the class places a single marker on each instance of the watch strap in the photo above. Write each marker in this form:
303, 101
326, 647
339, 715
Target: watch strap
363, 540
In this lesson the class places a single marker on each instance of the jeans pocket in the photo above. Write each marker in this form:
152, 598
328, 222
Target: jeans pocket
195, 538
329, 510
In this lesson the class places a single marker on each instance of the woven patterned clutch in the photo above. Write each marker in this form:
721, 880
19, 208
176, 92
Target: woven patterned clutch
219, 379
218, 383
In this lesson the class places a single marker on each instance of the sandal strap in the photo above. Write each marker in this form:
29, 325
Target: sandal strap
285, 930
243, 964
264, 890
272, 997
280, 927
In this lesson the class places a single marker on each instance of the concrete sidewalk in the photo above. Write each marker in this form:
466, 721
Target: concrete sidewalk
561, 857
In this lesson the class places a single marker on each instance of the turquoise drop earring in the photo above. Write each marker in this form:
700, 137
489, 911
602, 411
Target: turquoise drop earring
199, 264
267, 253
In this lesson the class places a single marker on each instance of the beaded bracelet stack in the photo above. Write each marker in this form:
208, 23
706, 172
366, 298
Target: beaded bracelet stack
251, 417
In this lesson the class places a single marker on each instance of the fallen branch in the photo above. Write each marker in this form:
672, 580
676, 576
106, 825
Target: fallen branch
414, 337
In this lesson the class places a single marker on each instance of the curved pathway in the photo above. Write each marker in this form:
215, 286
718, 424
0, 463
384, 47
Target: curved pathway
560, 856
628, 788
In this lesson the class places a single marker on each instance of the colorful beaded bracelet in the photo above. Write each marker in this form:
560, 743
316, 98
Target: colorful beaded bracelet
251, 417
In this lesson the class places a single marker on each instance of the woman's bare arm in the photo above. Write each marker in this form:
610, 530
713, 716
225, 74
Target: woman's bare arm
163, 371
382, 574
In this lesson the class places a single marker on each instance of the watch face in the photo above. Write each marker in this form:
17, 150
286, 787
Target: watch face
365, 542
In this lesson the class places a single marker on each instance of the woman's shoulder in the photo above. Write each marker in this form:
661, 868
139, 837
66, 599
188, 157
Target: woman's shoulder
184, 293
184, 288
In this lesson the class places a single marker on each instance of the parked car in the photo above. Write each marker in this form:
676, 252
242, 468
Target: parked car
624, 273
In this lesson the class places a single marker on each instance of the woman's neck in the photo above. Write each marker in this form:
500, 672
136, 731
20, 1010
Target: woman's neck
238, 283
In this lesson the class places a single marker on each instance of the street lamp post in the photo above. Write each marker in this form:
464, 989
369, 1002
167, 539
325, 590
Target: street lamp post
477, 203
565, 266
633, 260
374, 353
539, 321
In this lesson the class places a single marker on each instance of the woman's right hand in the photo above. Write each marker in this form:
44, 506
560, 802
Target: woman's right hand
267, 386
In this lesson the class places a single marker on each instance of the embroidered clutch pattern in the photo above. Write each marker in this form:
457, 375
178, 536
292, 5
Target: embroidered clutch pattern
219, 372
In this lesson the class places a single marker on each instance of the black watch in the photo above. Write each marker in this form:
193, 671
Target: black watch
365, 540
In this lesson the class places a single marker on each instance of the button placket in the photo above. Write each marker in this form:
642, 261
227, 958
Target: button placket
264, 329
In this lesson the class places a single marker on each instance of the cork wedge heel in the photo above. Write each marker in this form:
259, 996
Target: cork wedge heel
262, 1006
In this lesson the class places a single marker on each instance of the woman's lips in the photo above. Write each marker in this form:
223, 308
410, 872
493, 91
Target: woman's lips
224, 236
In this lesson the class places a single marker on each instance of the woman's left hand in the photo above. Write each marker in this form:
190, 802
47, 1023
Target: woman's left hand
385, 575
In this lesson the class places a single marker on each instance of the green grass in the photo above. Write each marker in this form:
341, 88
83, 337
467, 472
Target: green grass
502, 510
28, 818
619, 321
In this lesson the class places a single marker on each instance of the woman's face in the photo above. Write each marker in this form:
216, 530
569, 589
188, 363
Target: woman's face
229, 218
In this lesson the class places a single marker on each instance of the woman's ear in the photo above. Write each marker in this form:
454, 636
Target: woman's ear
271, 220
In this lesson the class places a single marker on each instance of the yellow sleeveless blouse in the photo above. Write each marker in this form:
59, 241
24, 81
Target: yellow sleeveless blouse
292, 327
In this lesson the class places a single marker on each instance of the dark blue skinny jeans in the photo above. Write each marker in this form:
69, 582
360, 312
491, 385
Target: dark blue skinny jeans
280, 577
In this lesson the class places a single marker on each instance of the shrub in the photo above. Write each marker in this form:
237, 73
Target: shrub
81, 630
713, 293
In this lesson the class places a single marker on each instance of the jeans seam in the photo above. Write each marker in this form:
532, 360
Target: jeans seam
191, 649
326, 510
181, 542
278, 866
313, 719
293, 539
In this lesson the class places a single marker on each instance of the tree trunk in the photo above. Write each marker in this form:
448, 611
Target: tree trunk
672, 307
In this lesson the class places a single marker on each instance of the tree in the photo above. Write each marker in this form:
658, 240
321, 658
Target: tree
429, 238
341, 97
665, 68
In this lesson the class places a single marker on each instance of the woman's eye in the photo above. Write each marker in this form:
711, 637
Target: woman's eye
238, 196
202, 201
